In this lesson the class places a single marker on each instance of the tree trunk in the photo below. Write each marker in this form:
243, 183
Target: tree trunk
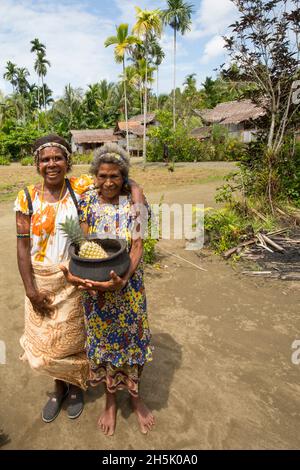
145, 107
44, 99
174, 83
126, 113
157, 102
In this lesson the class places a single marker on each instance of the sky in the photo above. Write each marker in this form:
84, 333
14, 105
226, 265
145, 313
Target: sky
74, 32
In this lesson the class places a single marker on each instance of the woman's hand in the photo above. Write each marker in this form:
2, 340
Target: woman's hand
76, 281
115, 283
41, 303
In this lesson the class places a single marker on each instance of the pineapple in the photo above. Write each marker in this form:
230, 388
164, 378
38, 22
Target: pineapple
87, 249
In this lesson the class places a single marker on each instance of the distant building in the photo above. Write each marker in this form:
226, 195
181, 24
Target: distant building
237, 116
201, 133
86, 140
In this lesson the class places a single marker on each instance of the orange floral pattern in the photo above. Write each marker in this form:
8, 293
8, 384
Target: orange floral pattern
48, 242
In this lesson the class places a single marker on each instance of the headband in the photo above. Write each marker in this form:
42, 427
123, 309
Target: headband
52, 144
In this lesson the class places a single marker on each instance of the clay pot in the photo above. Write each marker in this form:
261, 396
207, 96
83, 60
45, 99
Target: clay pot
98, 269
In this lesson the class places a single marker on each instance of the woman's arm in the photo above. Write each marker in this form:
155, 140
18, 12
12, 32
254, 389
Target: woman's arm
136, 253
39, 300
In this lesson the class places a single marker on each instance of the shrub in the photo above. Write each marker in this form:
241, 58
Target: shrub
27, 161
82, 158
4, 160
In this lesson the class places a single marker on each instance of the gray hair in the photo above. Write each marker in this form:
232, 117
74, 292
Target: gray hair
111, 153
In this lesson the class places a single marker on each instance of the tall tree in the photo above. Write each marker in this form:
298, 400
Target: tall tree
122, 42
40, 67
157, 55
37, 46
148, 21
178, 16
11, 74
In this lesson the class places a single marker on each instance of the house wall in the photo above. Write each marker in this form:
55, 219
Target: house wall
239, 132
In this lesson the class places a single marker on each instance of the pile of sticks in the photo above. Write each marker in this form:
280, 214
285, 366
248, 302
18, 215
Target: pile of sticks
259, 248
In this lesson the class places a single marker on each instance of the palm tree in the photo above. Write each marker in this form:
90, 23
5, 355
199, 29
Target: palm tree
11, 74
148, 21
40, 66
178, 16
122, 42
157, 56
37, 46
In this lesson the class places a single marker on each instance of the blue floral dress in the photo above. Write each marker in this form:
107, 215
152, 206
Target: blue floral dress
118, 335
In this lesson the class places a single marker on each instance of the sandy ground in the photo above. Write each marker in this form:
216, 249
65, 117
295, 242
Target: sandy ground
222, 375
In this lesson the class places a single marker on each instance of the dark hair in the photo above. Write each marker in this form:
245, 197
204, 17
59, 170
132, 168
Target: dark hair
46, 139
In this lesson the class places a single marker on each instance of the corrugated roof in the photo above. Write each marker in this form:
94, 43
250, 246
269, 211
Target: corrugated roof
232, 112
93, 136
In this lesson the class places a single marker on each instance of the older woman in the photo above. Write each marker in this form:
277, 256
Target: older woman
118, 335
54, 336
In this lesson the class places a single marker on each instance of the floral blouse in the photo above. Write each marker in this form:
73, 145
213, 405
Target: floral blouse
48, 242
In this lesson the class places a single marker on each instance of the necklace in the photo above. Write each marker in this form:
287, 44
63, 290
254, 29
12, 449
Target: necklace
45, 240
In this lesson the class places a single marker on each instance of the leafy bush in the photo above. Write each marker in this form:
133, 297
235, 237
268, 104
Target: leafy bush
27, 161
18, 141
82, 159
229, 226
4, 160
149, 250
181, 146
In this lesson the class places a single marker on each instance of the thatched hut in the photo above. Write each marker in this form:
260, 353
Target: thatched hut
86, 140
237, 116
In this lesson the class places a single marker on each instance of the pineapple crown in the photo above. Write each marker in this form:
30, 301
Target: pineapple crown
72, 230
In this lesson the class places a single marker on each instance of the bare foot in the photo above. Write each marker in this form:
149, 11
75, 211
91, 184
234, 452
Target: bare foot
144, 415
107, 420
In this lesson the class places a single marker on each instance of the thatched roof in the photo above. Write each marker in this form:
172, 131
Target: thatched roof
93, 136
134, 127
150, 117
201, 133
232, 112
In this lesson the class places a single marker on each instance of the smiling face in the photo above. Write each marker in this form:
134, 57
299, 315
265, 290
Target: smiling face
52, 165
109, 180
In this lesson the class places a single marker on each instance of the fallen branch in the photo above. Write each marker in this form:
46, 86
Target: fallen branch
272, 243
183, 259
258, 214
231, 251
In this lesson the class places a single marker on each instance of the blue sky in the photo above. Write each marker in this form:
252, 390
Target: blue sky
74, 32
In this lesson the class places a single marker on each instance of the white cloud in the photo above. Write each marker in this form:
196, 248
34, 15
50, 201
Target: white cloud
213, 48
74, 39
213, 17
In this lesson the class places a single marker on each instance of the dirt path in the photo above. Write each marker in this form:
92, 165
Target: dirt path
222, 375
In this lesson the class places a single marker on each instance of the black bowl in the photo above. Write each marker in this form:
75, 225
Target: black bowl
98, 269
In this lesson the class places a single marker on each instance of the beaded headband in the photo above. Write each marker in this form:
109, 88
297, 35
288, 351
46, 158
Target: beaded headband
51, 144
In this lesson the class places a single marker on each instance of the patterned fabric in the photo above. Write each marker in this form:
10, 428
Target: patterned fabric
48, 242
55, 345
118, 335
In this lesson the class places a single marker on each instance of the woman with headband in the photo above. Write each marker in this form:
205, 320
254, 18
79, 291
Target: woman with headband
54, 336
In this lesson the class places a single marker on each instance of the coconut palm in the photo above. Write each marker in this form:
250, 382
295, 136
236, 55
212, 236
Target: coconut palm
157, 56
178, 16
37, 46
11, 74
122, 42
148, 21
40, 66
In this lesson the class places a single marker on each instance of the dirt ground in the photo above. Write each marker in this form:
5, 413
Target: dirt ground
222, 375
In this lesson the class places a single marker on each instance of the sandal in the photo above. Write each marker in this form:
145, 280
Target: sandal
75, 402
53, 406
